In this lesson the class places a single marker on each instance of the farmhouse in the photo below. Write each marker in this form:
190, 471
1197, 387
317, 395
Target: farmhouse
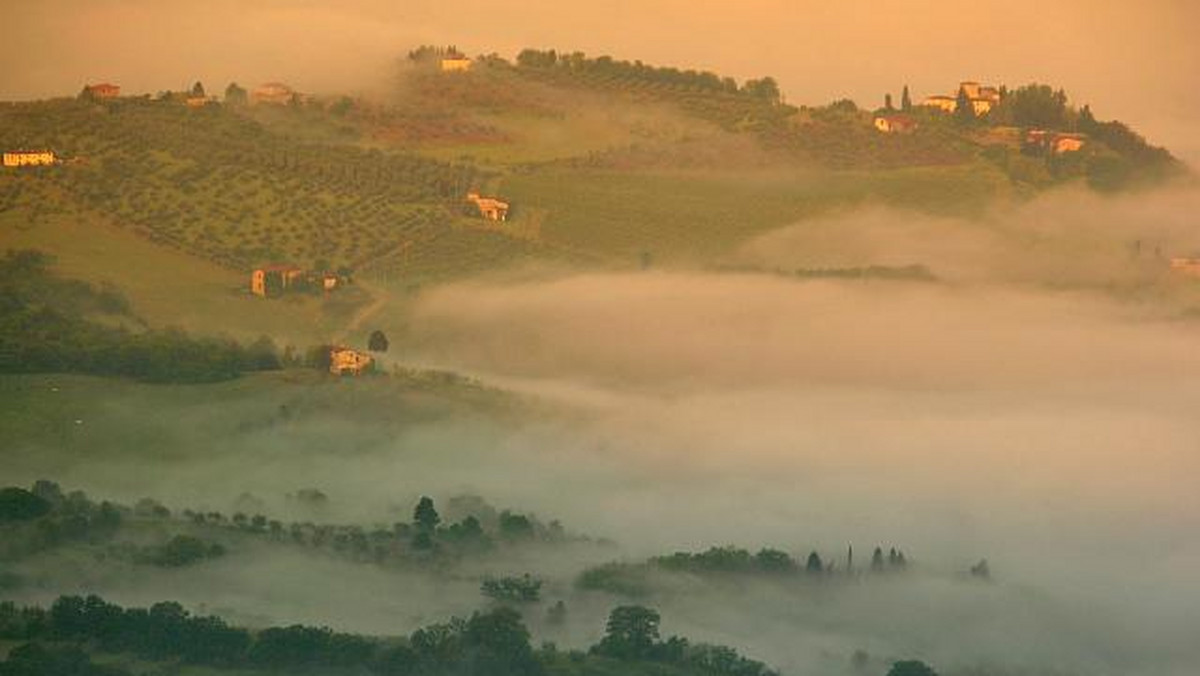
1068, 143
982, 97
199, 101
455, 63
895, 124
347, 361
1055, 142
29, 158
104, 90
270, 280
1186, 266
273, 92
981, 106
490, 208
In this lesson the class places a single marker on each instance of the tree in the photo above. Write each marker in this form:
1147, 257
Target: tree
497, 643
774, 561
524, 589
198, 90
378, 342
905, 100
963, 110
911, 668
515, 526
235, 95
425, 516
557, 613
1037, 105
814, 564
981, 570
18, 504
877, 560
887, 102
765, 88
631, 633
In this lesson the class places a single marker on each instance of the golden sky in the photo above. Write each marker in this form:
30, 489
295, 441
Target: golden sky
1136, 61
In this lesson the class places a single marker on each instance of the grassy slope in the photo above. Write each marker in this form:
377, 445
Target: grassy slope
166, 286
43, 408
686, 215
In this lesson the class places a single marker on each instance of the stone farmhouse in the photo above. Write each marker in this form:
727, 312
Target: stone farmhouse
104, 90
276, 93
346, 361
452, 63
29, 158
895, 123
982, 97
490, 208
1186, 266
1055, 142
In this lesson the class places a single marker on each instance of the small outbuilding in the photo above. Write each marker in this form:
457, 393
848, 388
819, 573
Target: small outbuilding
347, 361
895, 123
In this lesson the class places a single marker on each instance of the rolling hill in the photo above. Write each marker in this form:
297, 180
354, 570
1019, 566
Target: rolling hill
607, 164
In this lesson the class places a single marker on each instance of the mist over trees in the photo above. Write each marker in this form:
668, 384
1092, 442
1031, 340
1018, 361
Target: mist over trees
488, 643
46, 326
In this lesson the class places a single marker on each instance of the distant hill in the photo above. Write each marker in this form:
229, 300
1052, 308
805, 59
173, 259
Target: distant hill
605, 163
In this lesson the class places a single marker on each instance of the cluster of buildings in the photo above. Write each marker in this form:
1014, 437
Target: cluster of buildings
982, 97
1056, 142
29, 158
276, 93
277, 279
1186, 266
104, 90
490, 208
451, 63
346, 361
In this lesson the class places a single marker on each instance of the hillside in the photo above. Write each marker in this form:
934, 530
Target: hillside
606, 163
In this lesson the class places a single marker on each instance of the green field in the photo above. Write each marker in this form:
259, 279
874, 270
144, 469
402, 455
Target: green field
696, 216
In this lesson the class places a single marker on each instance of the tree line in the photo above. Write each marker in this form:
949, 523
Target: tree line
763, 89
492, 643
45, 328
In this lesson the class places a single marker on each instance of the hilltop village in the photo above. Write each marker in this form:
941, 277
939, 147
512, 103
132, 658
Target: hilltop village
975, 101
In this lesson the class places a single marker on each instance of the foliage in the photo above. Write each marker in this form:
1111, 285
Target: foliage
911, 668
1035, 105
216, 183
616, 578
728, 560
36, 659
523, 589
632, 634
378, 341
494, 642
180, 551
44, 518
425, 516
45, 326
18, 504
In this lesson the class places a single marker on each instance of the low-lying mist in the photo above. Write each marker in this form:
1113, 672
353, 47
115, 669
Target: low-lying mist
1034, 405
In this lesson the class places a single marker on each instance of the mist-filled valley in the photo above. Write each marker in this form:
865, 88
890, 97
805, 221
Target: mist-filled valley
558, 364
1024, 405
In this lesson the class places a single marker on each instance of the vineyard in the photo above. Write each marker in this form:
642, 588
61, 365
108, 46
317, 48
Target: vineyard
219, 185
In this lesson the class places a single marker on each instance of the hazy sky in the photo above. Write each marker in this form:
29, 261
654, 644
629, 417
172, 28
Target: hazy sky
1132, 60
